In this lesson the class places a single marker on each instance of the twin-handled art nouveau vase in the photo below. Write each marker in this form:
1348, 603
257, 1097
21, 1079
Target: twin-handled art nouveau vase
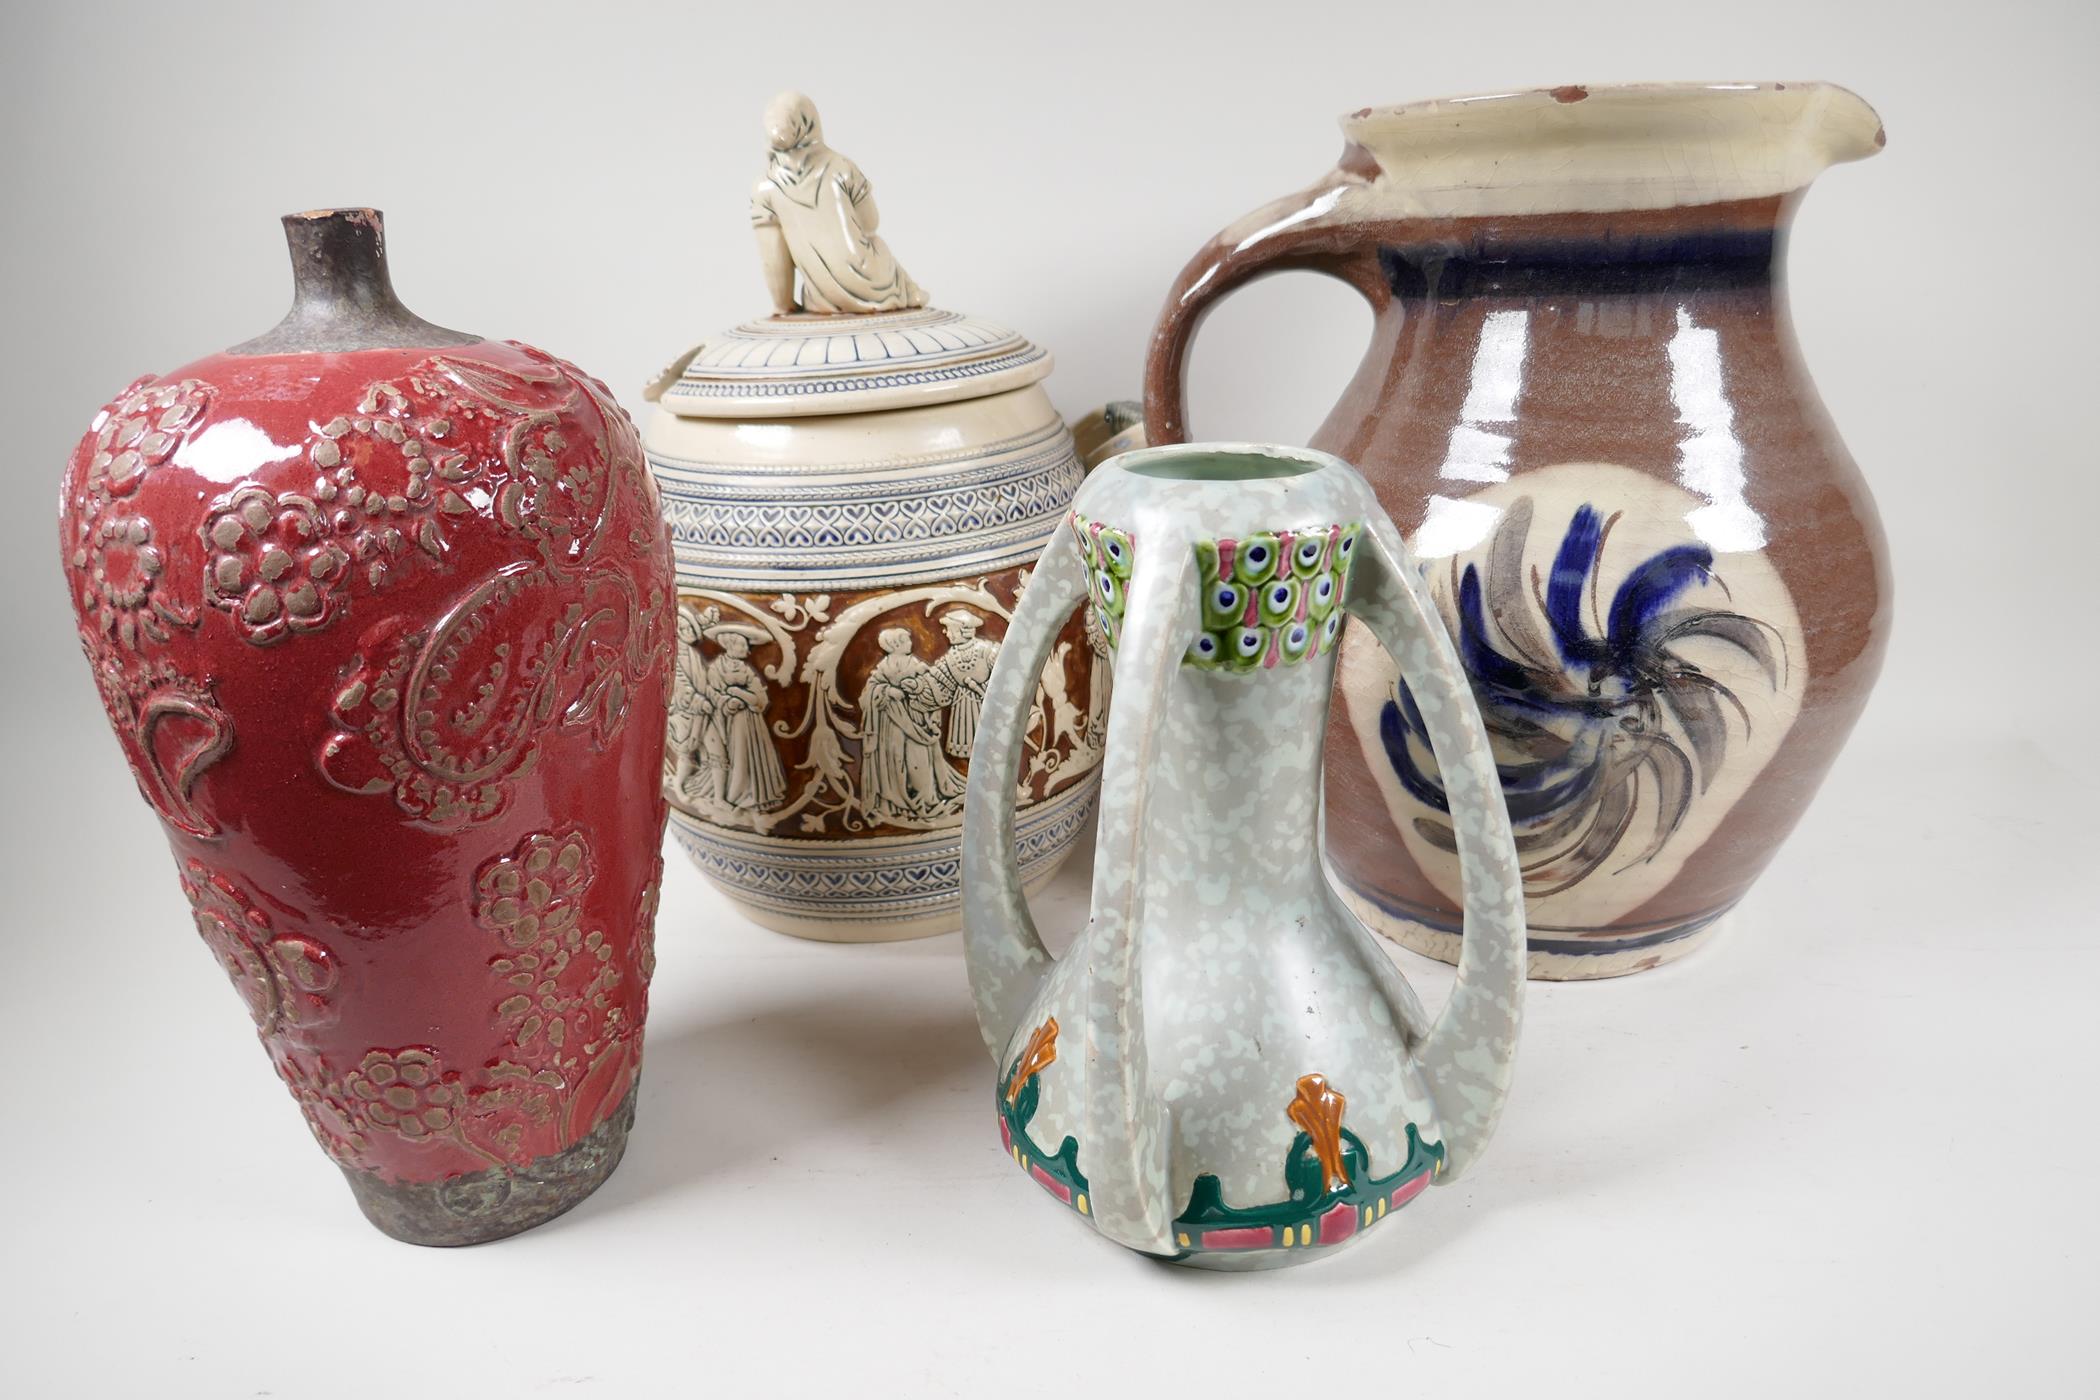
1585, 408
381, 613
1226, 1069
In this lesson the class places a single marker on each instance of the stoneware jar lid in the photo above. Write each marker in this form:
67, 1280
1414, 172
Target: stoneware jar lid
851, 332
803, 364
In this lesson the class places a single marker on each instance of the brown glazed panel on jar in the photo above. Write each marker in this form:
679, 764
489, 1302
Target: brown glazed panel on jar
838, 670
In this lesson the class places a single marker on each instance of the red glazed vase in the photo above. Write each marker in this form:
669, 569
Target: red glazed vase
381, 614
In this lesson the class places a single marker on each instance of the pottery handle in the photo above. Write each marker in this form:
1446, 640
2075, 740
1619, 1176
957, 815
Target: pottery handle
1300, 231
1125, 1122
1110, 430
1006, 958
670, 374
1469, 1054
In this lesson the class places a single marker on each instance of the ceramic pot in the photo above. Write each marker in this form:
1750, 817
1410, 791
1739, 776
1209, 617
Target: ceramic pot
1584, 405
381, 613
855, 497
1245, 1079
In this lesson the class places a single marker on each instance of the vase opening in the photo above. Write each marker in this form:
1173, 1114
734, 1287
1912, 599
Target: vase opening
342, 294
1198, 463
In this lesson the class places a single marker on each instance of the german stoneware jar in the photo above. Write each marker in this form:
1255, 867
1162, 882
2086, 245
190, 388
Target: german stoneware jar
1225, 1069
382, 616
1584, 405
856, 486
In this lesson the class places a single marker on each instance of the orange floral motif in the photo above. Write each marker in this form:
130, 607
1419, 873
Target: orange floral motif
1317, 1111
1036, 1056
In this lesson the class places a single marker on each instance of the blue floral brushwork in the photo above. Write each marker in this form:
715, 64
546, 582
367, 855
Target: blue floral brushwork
1580, 708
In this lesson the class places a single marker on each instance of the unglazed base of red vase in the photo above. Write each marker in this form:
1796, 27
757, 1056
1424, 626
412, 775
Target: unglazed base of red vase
502, 1201
1637, 951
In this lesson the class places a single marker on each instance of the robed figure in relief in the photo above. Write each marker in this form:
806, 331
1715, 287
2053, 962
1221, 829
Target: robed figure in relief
960, 676
904, 774
692, 710
752, 778
718, 749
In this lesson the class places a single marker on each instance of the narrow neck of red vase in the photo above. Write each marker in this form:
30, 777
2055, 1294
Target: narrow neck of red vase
342, 296
339, 262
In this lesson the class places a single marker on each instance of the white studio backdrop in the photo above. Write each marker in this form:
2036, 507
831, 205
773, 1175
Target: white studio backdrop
576, 176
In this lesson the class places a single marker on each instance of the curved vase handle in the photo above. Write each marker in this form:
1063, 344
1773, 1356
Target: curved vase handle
1006, 958
1469, 1054
1126, 1122
1295, 232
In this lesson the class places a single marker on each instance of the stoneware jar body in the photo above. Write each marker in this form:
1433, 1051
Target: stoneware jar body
1226, 1069
1584, 405
381, 614
854, 502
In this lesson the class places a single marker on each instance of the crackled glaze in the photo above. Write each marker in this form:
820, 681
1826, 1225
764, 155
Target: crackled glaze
1148, 1077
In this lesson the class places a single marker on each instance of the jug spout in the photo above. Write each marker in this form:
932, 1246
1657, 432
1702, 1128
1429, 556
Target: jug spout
1844, 125
1605, 148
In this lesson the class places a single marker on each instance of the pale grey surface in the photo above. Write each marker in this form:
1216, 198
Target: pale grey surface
1219, 966
1848, 1146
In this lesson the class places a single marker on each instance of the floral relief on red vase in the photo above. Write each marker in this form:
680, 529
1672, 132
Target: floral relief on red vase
380, 614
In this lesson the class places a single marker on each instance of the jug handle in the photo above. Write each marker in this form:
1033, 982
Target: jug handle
1468, 1056
1005, 957
1290, 234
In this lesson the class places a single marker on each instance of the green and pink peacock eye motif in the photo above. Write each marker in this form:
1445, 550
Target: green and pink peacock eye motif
1274, 598
1106, 552
1269, 599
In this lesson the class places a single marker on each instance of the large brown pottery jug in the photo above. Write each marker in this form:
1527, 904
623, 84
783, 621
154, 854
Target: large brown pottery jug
1584, 405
